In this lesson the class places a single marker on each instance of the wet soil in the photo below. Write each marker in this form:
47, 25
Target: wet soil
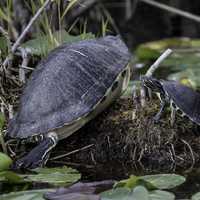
116, 144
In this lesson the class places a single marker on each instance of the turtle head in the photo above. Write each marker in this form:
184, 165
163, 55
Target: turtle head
151, 83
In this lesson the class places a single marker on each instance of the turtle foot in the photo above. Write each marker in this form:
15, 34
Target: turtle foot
37, 157
156, 119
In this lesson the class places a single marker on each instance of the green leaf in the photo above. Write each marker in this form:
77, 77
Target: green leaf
3, 46
196, 196
55, 176
138, 193
5, 162
10, 177
189, 77
161, 195
42, 45
2, 121
152, 50
164, 181
134, 181
25, 195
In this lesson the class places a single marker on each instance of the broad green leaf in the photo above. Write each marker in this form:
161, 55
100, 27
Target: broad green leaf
5, 162
152, 50
164, 181
134, 181
42, 45
196, 196
25, 195
10, 177
189, 77
55, 176
138, 193
161, 195
125, 194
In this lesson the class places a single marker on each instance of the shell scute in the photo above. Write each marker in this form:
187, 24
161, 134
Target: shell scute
185, 98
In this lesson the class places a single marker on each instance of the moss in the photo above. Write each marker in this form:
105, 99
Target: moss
117, 138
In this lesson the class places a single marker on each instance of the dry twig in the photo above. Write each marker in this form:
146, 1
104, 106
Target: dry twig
72, 152
150, 72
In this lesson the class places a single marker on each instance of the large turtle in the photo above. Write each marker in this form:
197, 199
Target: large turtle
67, 89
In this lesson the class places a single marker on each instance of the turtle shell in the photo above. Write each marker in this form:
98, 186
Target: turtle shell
185, 98
68, 84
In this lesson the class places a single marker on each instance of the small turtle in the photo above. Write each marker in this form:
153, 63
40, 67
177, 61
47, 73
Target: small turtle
181, 98
67, 89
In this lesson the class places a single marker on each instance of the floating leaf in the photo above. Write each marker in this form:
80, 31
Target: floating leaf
164, 181
55, 176
152, 50
134, 181
189, 77
117, 194
43, 44
25, 195
196, 196
5, 162
161, 195
138, 193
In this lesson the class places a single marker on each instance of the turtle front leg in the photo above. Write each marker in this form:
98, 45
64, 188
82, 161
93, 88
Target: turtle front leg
157, 117
39, 155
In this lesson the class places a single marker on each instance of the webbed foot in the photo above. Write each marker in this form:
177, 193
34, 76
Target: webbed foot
38, 156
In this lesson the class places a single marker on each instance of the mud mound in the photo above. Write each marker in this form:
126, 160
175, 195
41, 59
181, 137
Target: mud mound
114, 137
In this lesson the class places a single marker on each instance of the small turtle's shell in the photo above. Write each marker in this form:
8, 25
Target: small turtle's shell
68, 84
185, 98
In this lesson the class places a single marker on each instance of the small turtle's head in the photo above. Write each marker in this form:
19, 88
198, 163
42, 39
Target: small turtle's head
151, 83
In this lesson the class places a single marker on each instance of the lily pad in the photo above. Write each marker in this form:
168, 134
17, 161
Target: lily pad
56, 176
119, 194
189, 77
25, 195
164, 181
138, 193
161, 195
42, 45
134, 181
152, 50
196, 196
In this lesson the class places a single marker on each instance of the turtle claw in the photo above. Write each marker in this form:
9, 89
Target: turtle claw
156, 119
27, 162
37, 157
